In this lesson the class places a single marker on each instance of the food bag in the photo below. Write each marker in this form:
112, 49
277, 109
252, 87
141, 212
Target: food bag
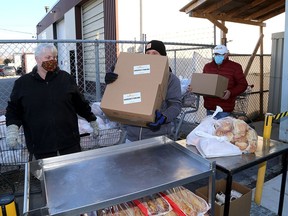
238, 132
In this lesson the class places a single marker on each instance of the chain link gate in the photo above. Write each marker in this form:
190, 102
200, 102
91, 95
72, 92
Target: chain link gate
89, 60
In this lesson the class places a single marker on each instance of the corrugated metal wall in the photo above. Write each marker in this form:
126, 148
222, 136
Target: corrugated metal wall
274, 102
278, 83
93, 29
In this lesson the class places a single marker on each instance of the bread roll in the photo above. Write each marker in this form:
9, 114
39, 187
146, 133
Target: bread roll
240, 128
224, 125
230, 136
240, 139
242, 145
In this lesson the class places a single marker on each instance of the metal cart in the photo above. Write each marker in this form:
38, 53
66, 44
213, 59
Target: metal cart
11, 159
113, 134
241, 105
106, 137
190, 104
11, 169
91, 180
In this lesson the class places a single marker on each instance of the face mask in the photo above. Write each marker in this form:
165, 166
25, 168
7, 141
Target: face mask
50, 65
218, 59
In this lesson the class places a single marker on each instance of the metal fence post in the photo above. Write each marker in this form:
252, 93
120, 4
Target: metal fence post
97, 72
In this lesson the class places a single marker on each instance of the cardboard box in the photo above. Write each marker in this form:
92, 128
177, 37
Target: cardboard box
243, 203
139, 90
209, 84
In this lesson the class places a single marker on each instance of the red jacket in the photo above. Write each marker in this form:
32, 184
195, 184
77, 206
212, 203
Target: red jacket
237, 84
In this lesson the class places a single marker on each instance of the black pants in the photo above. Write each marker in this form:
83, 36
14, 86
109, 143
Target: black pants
69, 150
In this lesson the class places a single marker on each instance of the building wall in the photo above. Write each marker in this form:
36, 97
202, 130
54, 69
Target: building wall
92, 28
46, 34
70, 26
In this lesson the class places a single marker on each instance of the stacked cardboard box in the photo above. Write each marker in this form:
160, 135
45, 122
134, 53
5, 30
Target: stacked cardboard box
139, 90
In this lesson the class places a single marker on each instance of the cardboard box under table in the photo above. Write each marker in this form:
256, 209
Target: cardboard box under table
238, 207
209, 84
139, 90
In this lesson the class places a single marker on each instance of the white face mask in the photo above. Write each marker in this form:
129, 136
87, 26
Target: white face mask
219, 59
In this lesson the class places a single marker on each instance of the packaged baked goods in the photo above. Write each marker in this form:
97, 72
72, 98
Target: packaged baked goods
153, 205
123, 209
189, 203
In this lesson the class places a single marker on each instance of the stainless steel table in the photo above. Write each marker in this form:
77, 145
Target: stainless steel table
266, 149
95, 179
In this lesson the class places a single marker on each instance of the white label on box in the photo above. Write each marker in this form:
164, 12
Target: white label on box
132, 98
141, 69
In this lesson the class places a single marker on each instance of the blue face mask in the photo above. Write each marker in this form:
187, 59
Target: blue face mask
218, 59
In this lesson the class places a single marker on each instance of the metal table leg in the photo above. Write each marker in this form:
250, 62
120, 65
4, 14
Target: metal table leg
228, 194
283, 183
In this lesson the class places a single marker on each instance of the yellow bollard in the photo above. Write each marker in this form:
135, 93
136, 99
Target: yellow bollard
262, 167
267, 126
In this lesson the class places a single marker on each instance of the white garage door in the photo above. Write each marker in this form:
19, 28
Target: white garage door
93, 28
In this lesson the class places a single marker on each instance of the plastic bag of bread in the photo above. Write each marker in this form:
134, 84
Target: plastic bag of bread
238, 132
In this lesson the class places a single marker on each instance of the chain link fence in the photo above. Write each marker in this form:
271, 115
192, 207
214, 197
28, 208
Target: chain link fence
88, 61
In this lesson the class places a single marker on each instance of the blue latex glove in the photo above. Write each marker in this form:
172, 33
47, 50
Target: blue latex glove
160, 119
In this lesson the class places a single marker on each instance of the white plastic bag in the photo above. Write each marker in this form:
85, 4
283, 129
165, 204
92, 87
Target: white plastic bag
205, 126
211, 147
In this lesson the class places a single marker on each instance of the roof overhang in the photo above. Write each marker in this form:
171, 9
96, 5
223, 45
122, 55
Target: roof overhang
251, 12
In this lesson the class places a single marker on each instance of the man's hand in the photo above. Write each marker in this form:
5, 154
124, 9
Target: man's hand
12, 133
227, 94
160, 119
95, 127
110, 77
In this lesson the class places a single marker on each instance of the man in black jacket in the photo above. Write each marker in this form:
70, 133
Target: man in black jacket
46, 103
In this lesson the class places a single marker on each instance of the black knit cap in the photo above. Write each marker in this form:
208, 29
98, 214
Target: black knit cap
156, 45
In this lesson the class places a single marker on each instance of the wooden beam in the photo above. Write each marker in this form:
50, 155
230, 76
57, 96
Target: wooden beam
245, 7
217, 23
216, 6
253, 55
276, 5
228, 19
275, 13
193, 5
